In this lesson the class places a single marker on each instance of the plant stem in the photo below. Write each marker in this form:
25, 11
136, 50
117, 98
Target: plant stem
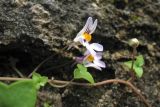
58, 66
45, 61
60, 86
133, 60
17, 71
13, 62
60, 82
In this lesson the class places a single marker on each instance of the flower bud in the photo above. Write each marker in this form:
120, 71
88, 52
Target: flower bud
134, 42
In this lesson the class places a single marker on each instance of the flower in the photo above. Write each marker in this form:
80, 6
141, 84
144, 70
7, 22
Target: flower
90, 60
93, 60
85, 34
93, 47
92, 57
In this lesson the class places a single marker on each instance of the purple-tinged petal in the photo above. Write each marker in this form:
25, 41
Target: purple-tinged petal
81, 40
100, 63
89, 21
96, 46
92, 29
90, 49
92, 65
79, 59
98, 56
76, 39
86, 53
89, 25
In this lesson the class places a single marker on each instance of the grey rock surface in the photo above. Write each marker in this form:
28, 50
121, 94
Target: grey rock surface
32, 30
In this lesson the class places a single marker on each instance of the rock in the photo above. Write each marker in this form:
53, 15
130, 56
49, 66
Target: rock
32, 30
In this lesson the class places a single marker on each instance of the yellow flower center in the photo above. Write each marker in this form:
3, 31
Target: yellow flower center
87, 36
90, 58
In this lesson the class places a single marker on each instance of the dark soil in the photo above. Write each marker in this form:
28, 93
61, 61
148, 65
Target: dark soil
32, 30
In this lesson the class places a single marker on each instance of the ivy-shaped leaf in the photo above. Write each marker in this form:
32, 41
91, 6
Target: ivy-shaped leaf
81, 73
128, 64
137, 66
139, 71
81, 67
18, 94
39, 80
22, 93
139, 61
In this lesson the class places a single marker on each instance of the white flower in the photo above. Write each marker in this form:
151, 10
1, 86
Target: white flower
85, 34
93, 47
93, 60
92, 57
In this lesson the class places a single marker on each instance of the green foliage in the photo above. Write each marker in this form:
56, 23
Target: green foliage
22, 93
139, 61
137, 66
81, 73
46, 105
39, 80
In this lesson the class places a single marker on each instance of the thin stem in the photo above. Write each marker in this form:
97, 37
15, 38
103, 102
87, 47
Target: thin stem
58, 66
60, 85
40, 65
44, 62
60, 82
133, 60
133, 56
17, 71
13, 62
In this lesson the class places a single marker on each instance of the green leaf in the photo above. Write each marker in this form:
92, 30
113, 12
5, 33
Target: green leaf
82, 73
39, 80
19, 94
22, 93
128, 64
138, 63
139, 60
46, 105
138, 71
81, 67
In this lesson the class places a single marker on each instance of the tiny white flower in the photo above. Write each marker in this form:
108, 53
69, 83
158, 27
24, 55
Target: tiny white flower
85, 34
93, 60
93, 47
